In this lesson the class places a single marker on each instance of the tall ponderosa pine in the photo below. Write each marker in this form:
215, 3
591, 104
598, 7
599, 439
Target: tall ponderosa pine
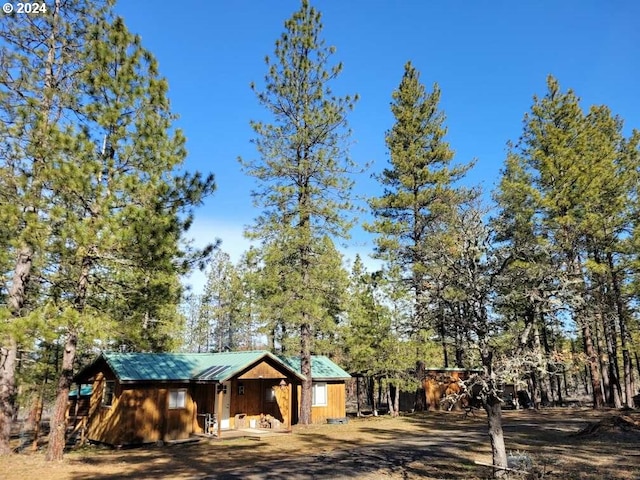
303, 167
40, 60
552, 145
277, 283
118, 208
420, 195
584, 172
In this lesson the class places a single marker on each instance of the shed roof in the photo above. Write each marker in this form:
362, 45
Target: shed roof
322, 368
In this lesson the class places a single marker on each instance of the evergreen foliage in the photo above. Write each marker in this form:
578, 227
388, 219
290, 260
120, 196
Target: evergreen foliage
303, 182
567, 209
421, 194
95, 165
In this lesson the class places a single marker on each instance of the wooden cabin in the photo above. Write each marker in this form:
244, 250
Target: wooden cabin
437, 384
150, 397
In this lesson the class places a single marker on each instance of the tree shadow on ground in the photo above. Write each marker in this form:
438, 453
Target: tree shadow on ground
429, 445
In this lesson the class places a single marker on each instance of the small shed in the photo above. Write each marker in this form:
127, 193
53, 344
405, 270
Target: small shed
437, 384
149, 397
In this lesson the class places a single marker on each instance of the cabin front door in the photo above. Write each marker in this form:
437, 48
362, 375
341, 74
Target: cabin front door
226, 406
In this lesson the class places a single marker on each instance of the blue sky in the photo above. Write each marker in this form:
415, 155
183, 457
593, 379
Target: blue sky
488, 57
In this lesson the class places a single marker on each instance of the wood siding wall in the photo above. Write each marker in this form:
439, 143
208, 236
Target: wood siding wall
436, 385
139, 415
336, 402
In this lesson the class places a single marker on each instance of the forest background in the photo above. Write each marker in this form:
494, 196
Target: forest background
534, 278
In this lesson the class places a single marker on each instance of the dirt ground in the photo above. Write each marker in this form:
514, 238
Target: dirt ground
430, 445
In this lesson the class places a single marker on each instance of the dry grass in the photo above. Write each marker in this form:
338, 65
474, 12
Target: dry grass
430, 445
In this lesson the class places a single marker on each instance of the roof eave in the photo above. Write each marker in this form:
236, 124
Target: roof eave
329, 379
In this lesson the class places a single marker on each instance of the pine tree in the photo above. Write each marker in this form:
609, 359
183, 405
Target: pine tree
250, 336
612, 161
373, 338
39, 64
222, 304
420, 195
118, 209
553, 143
303, 169
530, 279
196, 330
583, 172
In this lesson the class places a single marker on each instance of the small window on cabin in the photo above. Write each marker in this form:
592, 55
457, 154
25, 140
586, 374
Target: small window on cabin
240, 389
319, 395
270, 395
108, 393
177, 399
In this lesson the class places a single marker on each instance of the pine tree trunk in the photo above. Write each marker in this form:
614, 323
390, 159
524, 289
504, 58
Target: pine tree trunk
615, 392
565, 381
550, 375
443, 335
460, 349
305, 369
374, 396
603, 364
586, 380
57, 434
396, 400
58, 429
609, 340
543, 377
9, 351
535, 389
592, 359
8, 356
559, 388
628, 386
624, 333
420, 400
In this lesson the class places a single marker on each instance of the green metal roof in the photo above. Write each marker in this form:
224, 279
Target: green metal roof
217, 367
130, 367
321, 367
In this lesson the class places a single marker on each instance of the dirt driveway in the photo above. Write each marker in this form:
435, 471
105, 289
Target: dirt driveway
430, 445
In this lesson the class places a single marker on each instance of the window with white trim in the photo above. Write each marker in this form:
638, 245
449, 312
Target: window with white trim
319, 394
177, 398
108, 393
